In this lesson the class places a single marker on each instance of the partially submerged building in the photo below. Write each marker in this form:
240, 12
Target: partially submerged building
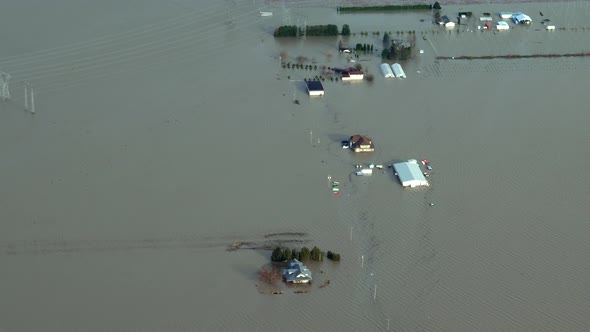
315, 88
386, 70
501, 25
352, 74
297, 273
398, 71
409, 174
506, 15
521, 18
442, 20
360, 143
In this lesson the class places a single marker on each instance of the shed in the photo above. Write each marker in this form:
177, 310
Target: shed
398, 71
315, 88
386, 70
501, 25
409, 174
521, 18
442, 20
506, 15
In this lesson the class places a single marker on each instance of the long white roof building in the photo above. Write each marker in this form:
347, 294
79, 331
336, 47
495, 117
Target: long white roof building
386, 70
409, 174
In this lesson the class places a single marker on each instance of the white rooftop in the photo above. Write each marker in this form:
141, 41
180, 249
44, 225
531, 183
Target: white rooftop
409, 174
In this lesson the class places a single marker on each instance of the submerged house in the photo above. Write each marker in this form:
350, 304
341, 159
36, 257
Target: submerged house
360, 143
297, 273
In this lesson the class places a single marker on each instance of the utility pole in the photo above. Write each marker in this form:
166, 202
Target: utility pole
26, 96
387, 324
375, 294
32, 101
351, 233
362, 262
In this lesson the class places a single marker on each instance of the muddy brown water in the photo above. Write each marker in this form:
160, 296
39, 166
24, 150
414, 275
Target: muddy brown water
165, 132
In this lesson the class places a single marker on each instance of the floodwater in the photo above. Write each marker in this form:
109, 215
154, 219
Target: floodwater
166, 131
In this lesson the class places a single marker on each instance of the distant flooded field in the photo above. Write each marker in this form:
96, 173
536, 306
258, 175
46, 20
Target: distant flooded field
167, 146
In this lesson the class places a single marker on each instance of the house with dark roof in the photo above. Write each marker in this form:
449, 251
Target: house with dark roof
360, 143
297, 273
315, 88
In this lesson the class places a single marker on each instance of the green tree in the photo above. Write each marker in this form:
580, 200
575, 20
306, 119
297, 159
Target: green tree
436, 6
336, 257
345, 30
287, 254
305, 254
386, 40
277, 255
295, 254
316, 254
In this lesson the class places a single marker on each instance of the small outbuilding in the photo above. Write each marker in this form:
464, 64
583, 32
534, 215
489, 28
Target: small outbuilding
315, 88
398, 71
297, 273
521, 18
506, 15
501, 25
409, 174
442, 20
386, 70
360, 143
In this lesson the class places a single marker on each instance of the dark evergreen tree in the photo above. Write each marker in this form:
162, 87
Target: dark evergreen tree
305, 254
277, 255
316, 254
294, 254
287, 254
386, 40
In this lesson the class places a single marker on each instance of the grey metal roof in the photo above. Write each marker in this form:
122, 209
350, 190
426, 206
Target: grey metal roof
296, 272
408, 172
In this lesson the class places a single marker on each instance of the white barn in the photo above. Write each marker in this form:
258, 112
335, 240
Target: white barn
409, 174
386, 70
398, 71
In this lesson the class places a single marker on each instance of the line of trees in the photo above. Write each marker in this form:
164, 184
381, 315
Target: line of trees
364, 47
436, 5
311, 30
285, 254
